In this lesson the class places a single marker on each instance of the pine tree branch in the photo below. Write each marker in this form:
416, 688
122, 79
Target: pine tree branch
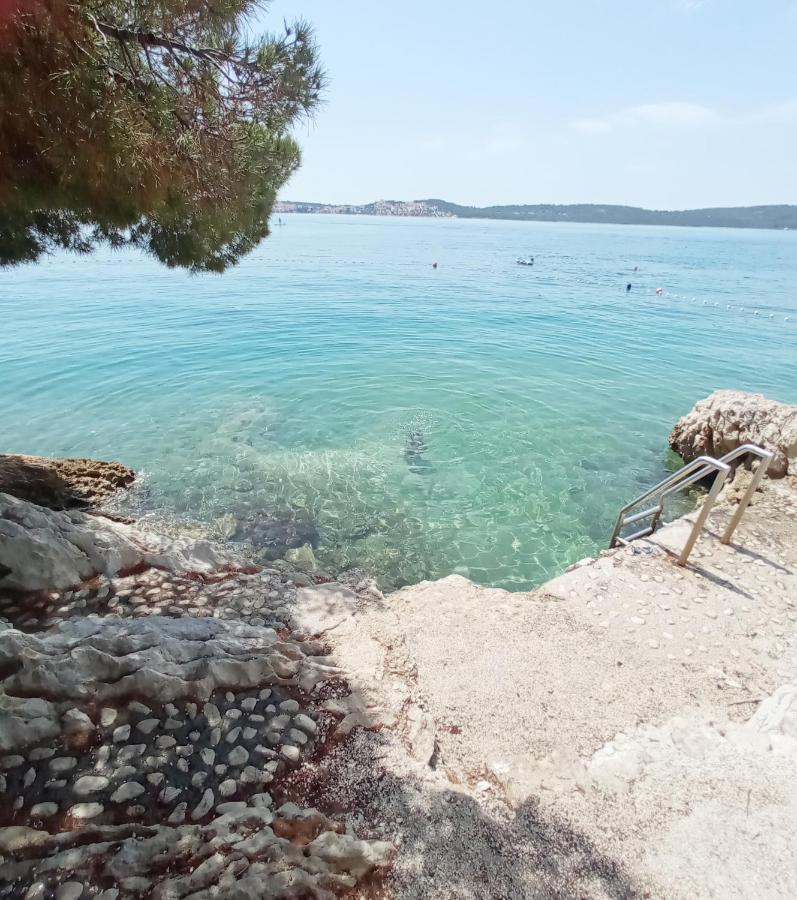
150, 39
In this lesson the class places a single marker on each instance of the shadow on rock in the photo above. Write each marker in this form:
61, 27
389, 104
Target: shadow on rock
454, 846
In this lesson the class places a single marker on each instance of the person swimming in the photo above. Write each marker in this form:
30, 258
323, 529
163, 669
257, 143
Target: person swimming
414, 450
628, 287
415, 445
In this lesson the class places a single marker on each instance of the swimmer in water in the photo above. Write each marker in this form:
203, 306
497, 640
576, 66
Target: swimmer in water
628, 288
434, 265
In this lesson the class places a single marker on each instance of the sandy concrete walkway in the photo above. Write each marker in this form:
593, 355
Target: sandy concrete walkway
603, 736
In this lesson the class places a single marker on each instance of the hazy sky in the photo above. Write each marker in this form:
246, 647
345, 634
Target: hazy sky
657, 103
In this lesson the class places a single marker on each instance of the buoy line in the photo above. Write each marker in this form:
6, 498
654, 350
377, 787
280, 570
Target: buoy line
660, 292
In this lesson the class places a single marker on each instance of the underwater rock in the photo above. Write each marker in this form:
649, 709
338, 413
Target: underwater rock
302, 558
274, 533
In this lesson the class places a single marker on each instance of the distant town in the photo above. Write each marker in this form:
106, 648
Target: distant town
781, 217
379, 208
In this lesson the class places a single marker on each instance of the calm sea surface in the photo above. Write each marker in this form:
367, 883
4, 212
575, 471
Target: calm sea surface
544, 395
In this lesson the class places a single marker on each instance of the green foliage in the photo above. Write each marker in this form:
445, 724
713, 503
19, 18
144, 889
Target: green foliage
152, 123
721, 217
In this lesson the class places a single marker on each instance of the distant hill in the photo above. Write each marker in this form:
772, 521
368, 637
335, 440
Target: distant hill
721, 217
779, 217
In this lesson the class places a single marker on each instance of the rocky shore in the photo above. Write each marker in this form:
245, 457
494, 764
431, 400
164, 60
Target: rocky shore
62, 483
159, 713
727, 419
176, 722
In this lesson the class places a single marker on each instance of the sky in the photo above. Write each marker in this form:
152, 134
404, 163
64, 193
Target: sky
667, 104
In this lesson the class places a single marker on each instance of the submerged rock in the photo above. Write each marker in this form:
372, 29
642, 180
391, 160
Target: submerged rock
62, 483
274, 533
727, 419
302, 558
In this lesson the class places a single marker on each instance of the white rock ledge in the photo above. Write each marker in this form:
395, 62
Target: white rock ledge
727, 419
47, 550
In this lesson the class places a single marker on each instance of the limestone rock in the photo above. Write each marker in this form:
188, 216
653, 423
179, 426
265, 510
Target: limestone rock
238, 756
47, 550
300, 854
69, 890
44, 809
302, 558
107, 660
357, 857
204, 806
62, 483
43, 549
90, 784
76, 722
727, 419
25, 720
18, 838
777, 715
85, 810
127, 791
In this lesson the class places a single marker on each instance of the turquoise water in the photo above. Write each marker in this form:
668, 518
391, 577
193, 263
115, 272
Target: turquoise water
544, 395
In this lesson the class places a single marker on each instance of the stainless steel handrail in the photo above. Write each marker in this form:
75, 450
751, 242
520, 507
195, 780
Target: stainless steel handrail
699, 467
766, 457
684, 478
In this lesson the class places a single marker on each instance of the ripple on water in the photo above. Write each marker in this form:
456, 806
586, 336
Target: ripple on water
544, 396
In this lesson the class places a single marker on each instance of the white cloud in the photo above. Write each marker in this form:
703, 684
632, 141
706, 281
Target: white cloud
670, 114
674, 114
680, 115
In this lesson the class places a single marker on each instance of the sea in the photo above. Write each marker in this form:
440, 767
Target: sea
481, 417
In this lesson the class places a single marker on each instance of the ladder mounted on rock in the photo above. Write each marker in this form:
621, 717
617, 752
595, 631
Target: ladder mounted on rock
684, 478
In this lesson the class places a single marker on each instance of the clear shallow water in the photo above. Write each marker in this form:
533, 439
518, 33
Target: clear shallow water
545, 395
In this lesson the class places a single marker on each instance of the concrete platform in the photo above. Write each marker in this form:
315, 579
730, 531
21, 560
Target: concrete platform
629, 729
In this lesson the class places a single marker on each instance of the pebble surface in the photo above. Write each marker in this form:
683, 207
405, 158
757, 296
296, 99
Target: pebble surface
178, 762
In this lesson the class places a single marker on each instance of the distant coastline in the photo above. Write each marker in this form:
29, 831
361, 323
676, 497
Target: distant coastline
782, 217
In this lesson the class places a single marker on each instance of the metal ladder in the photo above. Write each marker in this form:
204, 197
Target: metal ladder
684, 478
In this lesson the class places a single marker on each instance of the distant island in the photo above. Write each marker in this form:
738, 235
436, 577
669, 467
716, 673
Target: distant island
780, 217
